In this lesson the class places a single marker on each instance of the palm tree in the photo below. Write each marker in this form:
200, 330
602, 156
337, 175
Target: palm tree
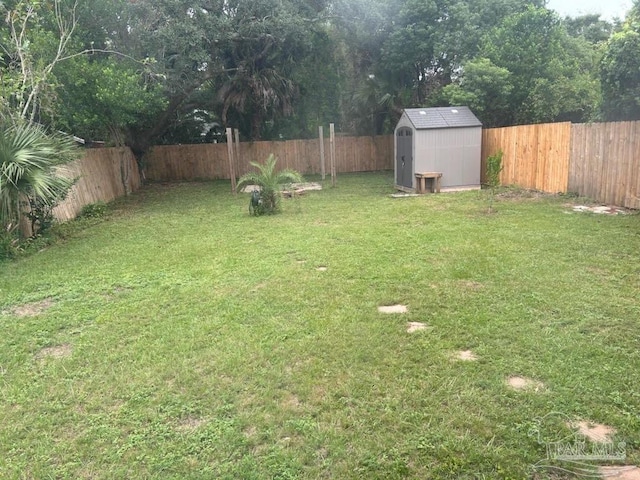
269, 181
257, 93
30, 161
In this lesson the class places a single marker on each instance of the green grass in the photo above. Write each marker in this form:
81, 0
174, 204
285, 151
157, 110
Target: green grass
206, 344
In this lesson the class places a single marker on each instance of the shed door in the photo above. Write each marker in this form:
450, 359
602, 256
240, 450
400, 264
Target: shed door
404, 157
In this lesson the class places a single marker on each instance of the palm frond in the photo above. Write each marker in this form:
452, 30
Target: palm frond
30, 166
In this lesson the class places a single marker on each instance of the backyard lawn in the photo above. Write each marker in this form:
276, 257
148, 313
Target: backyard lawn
178, 337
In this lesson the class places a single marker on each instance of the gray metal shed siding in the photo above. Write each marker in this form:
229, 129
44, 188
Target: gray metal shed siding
454, 151
441, 145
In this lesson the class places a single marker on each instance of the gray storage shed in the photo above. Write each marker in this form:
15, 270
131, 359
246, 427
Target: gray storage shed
444, 140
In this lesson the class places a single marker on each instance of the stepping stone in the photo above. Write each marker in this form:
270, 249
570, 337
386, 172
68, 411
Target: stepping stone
596, 432
622, 472
415, 326
393, 309
322, 268
467, 356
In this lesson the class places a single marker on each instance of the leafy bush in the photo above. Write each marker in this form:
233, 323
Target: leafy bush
9, 245
94, 210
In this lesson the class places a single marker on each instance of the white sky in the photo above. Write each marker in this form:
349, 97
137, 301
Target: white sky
608, 8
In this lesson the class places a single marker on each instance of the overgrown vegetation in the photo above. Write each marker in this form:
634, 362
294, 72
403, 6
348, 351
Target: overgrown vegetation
280, 68
493, 170
269, 180
178, 340
32, 178
94, 210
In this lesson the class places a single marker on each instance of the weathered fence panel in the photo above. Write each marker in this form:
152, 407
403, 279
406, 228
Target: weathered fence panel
605, 162
210, 161
103, 175
535, 156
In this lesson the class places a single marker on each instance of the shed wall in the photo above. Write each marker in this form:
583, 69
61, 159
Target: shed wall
453, 151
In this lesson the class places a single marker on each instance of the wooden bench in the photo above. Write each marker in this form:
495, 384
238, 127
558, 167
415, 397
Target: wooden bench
422, 181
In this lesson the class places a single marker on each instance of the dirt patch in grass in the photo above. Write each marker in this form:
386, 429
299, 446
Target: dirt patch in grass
189, 424
250, 431
523, 383
32, 309
622, 472
600, 209
466, 356
392, 309
596, 432
56, 351
291, 402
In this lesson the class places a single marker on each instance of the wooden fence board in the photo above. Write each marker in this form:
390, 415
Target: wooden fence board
100, 176
605, 160
534, 156
210, 161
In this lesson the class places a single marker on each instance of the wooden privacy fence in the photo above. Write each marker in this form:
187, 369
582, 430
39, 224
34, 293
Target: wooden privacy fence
103, 175
535, 156
605, 162
210, 161
599, 160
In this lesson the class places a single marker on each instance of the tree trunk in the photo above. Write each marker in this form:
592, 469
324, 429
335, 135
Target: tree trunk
24, 224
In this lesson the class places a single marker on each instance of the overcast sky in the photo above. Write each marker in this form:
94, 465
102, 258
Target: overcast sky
608, 8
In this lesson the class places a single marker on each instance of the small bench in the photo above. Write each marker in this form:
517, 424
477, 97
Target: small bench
422, 181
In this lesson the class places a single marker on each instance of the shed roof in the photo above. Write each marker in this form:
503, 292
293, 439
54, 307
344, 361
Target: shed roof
442, 117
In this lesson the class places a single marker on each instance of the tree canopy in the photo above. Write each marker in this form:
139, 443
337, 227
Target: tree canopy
168, 71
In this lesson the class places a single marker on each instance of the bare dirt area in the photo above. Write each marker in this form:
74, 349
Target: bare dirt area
56, 351
190, 424
601, 209
466, 356
32, 309
596, 432
524, 383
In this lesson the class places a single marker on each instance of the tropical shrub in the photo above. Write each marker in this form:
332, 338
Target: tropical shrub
269, 181
32, 181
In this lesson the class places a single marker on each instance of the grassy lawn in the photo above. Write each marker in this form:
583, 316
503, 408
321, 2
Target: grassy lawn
184, 339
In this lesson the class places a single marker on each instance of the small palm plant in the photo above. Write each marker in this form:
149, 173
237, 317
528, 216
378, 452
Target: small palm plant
29, 171
269, 181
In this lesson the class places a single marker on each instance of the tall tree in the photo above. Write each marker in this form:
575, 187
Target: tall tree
552, 75
269, 39
485, 88
620, 71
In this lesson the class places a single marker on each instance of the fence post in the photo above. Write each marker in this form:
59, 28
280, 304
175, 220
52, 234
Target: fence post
332, 143
321, 139
236, 153
232, 172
